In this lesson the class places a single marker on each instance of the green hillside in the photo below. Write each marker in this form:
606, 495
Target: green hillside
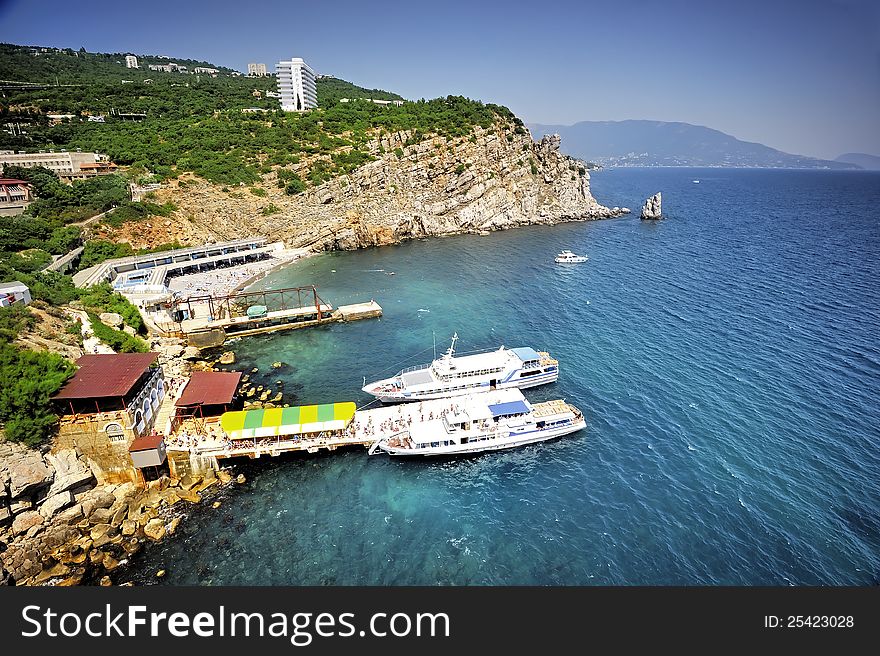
196, 123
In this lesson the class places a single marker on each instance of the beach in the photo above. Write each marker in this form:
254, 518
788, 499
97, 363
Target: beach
221, 282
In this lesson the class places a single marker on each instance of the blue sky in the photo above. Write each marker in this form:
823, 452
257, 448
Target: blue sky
803, 77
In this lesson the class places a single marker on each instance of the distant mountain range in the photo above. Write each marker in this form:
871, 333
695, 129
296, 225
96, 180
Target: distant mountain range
659, 143
868, 162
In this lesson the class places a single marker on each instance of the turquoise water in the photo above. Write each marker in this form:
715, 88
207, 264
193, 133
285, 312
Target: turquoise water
726, 360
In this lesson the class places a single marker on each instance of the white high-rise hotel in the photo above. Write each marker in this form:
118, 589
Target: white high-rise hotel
296, 84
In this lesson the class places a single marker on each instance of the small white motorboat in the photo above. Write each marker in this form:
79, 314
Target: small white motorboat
567, 257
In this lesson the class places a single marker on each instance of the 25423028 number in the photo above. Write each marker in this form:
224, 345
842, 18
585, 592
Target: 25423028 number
820, 621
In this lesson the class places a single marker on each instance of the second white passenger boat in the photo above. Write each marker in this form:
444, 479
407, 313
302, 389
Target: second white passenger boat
456, 376
488, 421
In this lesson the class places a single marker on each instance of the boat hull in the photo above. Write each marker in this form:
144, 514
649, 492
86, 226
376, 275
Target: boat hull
520, 383
511, 441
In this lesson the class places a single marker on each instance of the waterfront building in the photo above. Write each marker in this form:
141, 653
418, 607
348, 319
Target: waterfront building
112, 400
131, 61
296, 84
15, 196
14, 292
257, 70
148, 452
208, 394
68, 165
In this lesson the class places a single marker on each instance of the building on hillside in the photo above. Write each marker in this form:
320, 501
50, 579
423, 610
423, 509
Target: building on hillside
296, 84
68, 165
257, 70
15, 196
170, 67
111, 401
14, 292
131, 61
206, 70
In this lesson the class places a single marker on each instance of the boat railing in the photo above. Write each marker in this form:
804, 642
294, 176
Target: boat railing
397, 437
414, 368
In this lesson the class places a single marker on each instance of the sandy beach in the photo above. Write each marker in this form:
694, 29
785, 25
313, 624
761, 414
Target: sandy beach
220, 282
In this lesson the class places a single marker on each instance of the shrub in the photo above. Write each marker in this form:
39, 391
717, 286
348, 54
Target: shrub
399, 153
118, 340
294, 185
28, 380
460, 169
258, 191
271, 209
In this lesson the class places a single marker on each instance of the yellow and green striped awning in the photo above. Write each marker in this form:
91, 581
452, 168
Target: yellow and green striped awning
301, 419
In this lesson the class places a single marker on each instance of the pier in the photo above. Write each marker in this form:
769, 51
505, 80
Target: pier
198, 444
208, 321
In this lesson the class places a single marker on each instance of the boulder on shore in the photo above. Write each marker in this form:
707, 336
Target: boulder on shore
227, 358
651, 209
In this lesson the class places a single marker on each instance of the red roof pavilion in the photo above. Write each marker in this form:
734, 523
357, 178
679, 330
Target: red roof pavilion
209, 388
106, 375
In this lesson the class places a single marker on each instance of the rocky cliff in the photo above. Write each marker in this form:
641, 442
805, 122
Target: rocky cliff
492, 180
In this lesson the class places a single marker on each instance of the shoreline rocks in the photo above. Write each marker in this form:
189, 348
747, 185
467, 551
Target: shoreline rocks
58, 527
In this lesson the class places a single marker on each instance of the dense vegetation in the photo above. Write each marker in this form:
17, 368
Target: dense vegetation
195, 123
28, 379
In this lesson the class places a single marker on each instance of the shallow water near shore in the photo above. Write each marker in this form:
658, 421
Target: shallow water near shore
726, 360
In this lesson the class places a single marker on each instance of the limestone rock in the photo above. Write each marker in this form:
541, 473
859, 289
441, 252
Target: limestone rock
155, 529
5, 516
191, 353
70, 471
172, 350
240, 479
129, 528
190, 495
111, 319
70, 515
651, 209
227, 358
27, 473
172, 525
55, 503
25, 521
100, 516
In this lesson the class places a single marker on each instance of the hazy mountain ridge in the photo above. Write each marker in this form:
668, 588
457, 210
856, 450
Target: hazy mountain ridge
661, 143
864, 160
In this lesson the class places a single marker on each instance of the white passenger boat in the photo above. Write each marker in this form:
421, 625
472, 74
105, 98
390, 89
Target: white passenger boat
488, 421
455, 376
567, 257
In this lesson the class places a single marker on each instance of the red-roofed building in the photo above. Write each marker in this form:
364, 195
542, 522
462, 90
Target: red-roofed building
208, 393
111, 401
15, 196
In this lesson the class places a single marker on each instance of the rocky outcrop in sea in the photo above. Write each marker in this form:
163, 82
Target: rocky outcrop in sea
494, 179
651, 210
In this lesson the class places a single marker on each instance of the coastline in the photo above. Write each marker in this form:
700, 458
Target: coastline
300, 254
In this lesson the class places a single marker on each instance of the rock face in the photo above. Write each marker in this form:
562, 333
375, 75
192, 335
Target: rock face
111, 319
651, 209
494, 179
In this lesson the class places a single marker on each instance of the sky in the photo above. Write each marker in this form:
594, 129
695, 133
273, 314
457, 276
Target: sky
801, 76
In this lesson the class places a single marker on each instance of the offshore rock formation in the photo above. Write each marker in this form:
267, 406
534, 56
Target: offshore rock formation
492, 180
651, 209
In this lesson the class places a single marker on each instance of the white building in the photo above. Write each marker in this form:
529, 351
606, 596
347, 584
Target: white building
14, 292
296, 84
204, 69
65, 164
257, 70
131, 61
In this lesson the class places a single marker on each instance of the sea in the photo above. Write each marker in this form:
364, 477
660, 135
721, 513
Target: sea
726, 358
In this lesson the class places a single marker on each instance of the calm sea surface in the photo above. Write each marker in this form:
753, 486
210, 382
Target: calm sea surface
727, 360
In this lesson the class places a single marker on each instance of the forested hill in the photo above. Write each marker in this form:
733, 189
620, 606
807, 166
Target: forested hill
44, 65
206, 124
